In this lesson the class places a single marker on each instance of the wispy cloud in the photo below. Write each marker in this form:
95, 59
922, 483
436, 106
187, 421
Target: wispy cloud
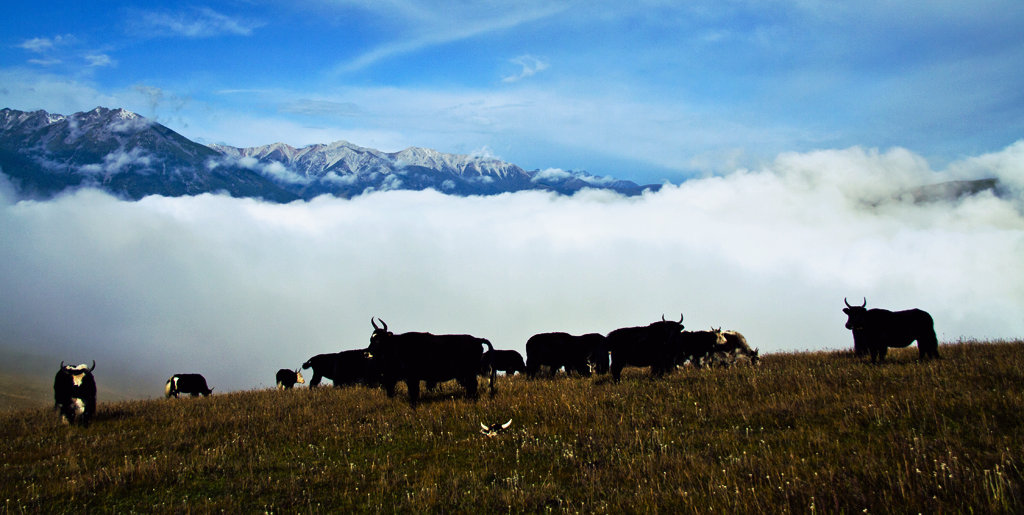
40, 45
99, 60
322, 108
428, 31
195, 23
530, 67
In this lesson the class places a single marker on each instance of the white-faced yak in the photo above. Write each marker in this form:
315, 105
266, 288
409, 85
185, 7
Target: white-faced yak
286, 379
192, 384
74, 393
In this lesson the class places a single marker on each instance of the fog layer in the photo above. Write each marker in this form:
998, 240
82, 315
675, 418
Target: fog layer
237, 288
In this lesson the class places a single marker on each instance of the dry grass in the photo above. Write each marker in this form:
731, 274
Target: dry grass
804, 432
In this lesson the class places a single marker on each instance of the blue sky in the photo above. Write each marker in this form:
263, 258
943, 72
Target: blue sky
646, 90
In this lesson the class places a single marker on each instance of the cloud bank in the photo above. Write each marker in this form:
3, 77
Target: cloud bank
237, 288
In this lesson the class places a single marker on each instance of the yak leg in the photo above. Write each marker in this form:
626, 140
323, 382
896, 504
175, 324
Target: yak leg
494, 374
470, 384
532, 367
928, 346
413, 385
313, 383
389, 387
616, 370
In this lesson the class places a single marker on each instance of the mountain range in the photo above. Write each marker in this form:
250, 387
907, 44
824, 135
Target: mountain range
131, 157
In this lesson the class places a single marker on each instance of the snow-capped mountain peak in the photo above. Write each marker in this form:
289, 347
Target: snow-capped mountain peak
125, 153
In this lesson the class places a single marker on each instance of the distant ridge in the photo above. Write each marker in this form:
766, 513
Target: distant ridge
129, 156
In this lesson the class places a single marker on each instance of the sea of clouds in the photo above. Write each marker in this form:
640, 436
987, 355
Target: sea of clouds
237, 288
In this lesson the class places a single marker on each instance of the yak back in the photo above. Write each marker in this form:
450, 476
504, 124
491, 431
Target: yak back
652, 345
559, 349
428, 357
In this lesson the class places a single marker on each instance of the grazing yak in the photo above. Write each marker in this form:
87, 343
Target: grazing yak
415, 357
74, 393
579, 354
507, 361
343, 368
698, 346
655, 345
192, 384
879, 329
286, 379
736, 350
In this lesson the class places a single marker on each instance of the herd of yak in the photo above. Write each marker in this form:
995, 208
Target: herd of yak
424, 357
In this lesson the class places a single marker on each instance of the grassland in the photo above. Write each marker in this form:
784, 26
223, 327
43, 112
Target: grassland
804, 432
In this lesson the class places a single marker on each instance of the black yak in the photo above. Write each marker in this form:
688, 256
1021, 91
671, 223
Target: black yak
415, 357
879, 329
655, 345
579, 354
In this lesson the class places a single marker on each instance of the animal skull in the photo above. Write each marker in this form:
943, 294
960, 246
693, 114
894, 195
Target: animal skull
494, 429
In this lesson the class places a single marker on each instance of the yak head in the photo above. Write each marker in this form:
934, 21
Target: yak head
298, 377
855, 314
666, 330
77, 373
380, 334
720, 340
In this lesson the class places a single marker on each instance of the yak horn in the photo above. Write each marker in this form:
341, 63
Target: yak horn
375, 323
506, 424
93, 366
484, 427
61, 363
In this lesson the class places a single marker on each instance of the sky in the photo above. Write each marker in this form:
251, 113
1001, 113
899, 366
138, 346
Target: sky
789, 132
646, 90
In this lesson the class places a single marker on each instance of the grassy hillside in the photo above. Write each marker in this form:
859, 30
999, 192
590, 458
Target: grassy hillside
804, 432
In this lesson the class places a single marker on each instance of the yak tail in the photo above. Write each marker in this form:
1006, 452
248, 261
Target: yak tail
167, 389
494, 373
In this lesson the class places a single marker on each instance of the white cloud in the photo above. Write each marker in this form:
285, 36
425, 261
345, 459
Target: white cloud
237, 288
272, 169
425, 28
116, 161
195, 23
530, 66
99, 60
42, 45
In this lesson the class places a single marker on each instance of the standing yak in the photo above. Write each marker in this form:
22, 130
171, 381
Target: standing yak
507, 361
415, 357
879, 329
74, 393
576, 353
655, 345
343, 368
192, 384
